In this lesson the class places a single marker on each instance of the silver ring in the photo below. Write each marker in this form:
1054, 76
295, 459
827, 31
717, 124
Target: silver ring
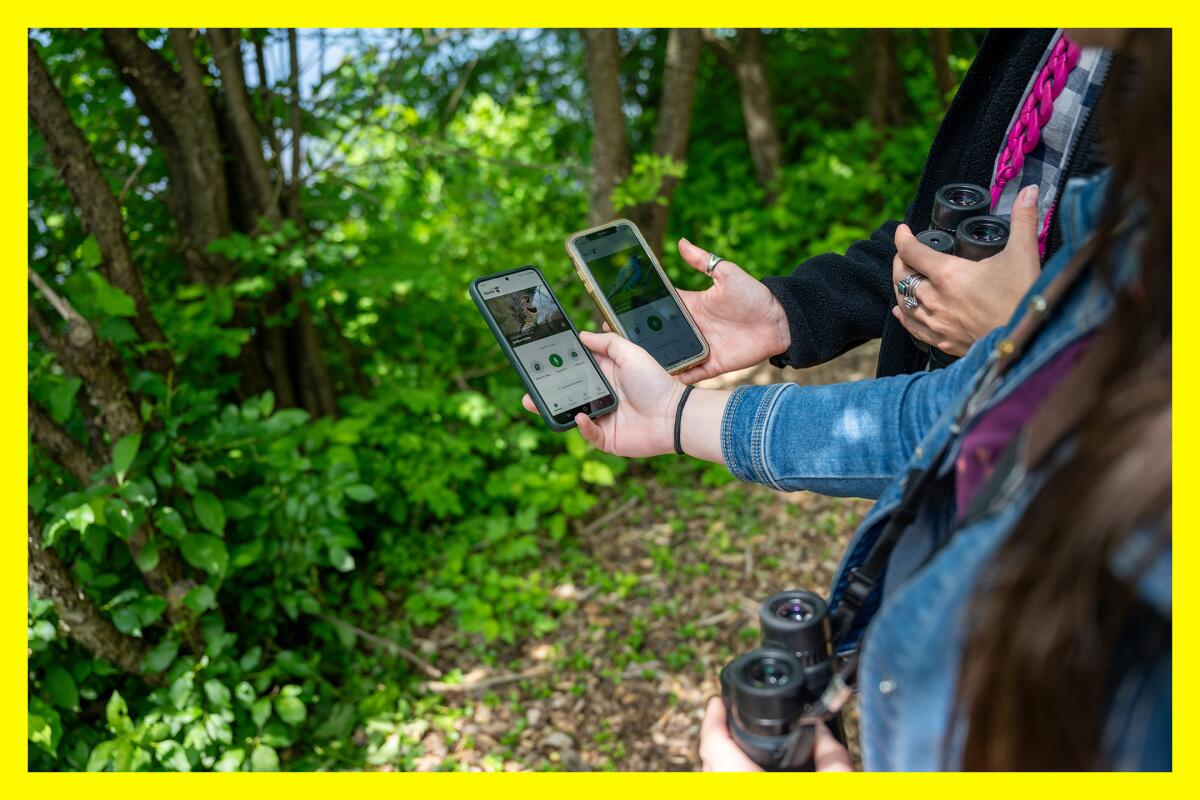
713, 260
907, 288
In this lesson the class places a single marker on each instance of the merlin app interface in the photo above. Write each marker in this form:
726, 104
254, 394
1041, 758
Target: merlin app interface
638, 296
534, 325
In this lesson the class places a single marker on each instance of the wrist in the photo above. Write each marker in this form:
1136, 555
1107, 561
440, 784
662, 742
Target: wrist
700, 429
666, 438
781, 331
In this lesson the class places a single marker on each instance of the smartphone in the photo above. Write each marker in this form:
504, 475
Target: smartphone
543, 346
634, 295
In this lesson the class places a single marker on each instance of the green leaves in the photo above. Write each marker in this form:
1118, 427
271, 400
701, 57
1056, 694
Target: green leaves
289, 706
117, 714
264, 759
209, 511
170, 522
60, 687
205, 551
360, 492
110, 300
218, 694
200, 599
159, 657
124, 452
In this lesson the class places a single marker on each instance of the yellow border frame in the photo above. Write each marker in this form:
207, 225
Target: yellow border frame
18, 17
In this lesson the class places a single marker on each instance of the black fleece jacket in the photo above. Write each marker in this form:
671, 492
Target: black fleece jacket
836, 302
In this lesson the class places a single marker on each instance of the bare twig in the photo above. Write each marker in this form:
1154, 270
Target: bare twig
604, 519
133, 176
386, 644
57, 301
487, 683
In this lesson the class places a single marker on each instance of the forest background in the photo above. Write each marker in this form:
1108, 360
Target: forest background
285, 509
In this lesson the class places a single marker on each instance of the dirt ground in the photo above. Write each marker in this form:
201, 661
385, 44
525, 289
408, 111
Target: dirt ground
622, 683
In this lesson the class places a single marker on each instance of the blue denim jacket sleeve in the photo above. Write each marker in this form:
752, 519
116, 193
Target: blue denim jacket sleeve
849, 439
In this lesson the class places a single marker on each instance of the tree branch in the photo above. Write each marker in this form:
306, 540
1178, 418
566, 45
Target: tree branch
99, 209
50, 580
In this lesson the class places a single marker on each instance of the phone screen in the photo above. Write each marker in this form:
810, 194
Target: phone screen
639, 297
536, 328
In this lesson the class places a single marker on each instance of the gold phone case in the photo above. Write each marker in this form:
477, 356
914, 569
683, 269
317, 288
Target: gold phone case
601, 301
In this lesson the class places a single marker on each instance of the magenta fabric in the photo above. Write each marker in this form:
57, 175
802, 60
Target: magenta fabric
986, 441
1035, 113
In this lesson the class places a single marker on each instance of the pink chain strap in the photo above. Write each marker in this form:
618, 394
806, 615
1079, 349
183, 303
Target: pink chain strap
1027, 130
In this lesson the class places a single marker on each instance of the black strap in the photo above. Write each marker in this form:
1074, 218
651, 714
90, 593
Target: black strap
679, 418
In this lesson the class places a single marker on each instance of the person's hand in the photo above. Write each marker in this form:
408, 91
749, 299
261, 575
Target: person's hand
961, 301
720, 753
742, 321
644, 422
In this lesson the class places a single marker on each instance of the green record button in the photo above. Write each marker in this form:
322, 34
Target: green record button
556, 360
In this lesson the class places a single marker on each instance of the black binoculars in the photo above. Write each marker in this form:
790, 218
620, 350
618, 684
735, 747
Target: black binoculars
961, 226
768, 691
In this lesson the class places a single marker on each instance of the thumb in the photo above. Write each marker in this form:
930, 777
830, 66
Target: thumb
1023, 224
696, 258
605, 344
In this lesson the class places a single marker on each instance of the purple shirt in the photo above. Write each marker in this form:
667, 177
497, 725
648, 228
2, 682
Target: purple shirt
996, 428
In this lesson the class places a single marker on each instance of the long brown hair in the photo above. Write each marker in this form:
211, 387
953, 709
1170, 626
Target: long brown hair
1045, 622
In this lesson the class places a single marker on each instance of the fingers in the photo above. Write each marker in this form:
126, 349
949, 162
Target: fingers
829, 755
714, 719
919, 258
1023, 224
590, 430
606, 328
527, 401
917, 327
608, 344
718, 751
695, 257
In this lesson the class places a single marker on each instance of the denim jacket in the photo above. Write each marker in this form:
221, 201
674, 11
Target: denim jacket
859, 439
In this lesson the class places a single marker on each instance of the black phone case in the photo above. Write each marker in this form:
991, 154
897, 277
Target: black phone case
547, 417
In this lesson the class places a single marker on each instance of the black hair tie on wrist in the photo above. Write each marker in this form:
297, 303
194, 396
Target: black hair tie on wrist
679, 418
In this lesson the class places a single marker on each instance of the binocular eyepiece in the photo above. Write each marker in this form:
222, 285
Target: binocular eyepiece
960, 223
768, 690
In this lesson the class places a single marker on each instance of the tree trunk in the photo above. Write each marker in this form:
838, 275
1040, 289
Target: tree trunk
610, 140
248, 144
943, 77
746, 60
60, 445
885, 102
98, 206
185, 126
50, 580
83, 354
674, 124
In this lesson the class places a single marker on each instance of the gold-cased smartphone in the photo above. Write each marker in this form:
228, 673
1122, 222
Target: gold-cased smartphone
634, 295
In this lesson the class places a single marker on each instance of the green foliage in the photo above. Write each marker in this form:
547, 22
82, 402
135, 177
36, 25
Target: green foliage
432, 499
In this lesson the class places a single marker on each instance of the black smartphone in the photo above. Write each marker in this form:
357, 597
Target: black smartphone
634, 295
543, 346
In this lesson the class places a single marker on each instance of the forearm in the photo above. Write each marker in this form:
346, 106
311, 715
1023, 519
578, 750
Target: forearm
700, 429
848, 439
835, 302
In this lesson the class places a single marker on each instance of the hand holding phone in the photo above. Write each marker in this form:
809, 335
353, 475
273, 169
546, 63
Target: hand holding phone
634, 295
644, 424
742, 320
543, 346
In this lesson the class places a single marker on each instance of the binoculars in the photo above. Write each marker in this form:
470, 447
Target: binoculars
961, 226
769, 690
